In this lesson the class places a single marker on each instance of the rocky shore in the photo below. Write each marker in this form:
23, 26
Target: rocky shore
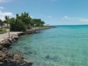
8, 59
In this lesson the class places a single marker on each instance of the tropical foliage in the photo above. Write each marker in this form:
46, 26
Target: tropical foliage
22, 22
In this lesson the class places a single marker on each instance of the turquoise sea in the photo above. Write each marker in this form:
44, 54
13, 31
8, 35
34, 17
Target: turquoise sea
60, 46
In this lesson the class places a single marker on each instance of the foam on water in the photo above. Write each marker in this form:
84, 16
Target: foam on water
61, 46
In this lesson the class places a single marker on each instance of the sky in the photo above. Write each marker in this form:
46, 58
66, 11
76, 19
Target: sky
53, 12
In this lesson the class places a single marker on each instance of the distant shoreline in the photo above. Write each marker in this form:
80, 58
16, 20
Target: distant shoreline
72, 25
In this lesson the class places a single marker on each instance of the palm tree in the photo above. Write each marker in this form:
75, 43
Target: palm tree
1, 23
17, 16
6, 19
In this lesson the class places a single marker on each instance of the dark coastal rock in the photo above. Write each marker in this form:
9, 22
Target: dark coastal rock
23, 33
32, 31
18, 58
35, 30
5, 43
1, 47
15, 37
7, 59
4, 57
9, 41
10, 63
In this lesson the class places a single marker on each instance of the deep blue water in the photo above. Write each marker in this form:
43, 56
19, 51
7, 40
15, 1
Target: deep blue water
60, 46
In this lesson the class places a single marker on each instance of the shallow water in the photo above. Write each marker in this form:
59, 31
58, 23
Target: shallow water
60, 46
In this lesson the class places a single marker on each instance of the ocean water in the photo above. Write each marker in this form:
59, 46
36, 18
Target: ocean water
60, 46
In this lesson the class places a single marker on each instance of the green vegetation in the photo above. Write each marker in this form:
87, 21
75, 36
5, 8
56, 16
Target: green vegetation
3, 30
21, 22
1, 23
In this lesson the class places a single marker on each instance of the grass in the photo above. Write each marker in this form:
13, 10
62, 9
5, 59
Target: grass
3, 31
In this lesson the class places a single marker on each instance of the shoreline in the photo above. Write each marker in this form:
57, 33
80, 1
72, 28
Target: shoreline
8, 59
6, 41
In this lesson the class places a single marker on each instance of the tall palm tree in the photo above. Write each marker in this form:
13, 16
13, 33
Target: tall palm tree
1, 24
6, 19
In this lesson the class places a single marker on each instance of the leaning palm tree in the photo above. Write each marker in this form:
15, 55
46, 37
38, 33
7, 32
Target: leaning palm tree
6, 20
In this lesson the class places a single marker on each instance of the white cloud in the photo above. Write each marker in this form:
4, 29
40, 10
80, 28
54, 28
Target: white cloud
1, 8
66, 17
3, 14
49, 16
5, 1
83, 20
75, 19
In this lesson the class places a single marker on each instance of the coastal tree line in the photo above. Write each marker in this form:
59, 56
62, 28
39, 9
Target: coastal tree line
21, 22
